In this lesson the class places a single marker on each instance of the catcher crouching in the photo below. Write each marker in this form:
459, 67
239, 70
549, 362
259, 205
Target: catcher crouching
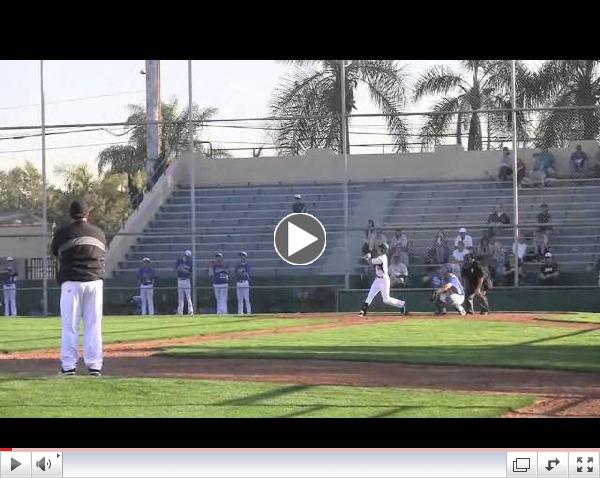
450, 294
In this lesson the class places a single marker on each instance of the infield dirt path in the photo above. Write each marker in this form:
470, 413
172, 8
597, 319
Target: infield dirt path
561, 393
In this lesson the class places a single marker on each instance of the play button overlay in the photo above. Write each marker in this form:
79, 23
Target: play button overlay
300, 239
14, 464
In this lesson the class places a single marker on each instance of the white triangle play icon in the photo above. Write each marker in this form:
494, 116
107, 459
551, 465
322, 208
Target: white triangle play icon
298, 239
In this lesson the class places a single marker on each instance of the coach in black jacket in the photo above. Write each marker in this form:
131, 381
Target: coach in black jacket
81, 251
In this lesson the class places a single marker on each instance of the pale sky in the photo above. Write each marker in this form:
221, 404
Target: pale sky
237, 88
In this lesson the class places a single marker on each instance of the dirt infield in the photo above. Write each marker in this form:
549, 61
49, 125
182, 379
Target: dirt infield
561, 393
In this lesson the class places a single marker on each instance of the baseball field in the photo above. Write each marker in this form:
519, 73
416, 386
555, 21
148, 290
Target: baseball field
311, 365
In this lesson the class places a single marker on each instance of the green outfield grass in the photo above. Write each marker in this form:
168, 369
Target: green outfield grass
102, 397
447, 341
584, 317
22, 334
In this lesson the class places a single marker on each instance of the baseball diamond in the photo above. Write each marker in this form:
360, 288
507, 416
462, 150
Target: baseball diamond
362, 238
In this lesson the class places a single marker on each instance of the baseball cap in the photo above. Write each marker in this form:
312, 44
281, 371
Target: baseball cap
146, 259
243, 254
297, 196
79, 208
547, 254
9, 258
188, 253
462, 229
219, 254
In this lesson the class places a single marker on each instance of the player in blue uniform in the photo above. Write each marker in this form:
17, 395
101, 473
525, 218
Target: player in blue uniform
220, 276
10, 288
184, 268
450, 293
242, 274
146, 277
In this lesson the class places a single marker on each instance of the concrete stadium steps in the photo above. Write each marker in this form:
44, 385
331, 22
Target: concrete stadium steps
231, 219
578, 216
486, 208
281, 271
275, 208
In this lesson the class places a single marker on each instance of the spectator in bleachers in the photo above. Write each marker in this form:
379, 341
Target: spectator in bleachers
399, 246
598, 270
549, 273
509, 272
505, 168
458, 256
464, 238
542, 236
435, 277
484, 251
578, 160
439, 252
377, 240
370, 231
498, 216
520, 248
298, 205
543, 168
500, 260
398, 272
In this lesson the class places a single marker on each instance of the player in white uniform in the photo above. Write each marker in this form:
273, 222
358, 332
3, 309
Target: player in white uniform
381, 283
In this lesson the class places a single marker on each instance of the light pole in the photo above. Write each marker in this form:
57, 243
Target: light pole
44, 196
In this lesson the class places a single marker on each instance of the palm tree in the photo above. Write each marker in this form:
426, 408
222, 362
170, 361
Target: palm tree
483, 84
130, 159
309, 100
566, 83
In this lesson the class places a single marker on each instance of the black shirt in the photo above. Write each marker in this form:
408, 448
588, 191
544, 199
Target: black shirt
501, 218
472, 273
544, 218
549, 268
299, 207
81, 251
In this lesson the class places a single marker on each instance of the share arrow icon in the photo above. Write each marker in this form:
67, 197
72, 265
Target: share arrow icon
550, 466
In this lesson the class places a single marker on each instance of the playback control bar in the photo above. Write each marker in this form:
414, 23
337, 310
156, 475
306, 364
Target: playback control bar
298, 463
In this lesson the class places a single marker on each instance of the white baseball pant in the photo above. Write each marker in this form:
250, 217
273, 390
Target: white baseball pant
81, 300
221, 297
243, 294
455, 300
382, 285
184, 292
147, 296
10, 300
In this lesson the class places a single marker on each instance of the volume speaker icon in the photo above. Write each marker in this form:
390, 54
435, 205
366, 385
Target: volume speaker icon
43, 464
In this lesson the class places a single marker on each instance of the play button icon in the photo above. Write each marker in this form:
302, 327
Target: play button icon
14, 464
300, 239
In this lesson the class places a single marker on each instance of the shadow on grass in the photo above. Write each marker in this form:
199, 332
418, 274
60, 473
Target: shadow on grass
526, 355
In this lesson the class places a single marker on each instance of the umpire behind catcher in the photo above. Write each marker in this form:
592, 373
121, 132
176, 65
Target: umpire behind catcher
81, 251
477, 284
